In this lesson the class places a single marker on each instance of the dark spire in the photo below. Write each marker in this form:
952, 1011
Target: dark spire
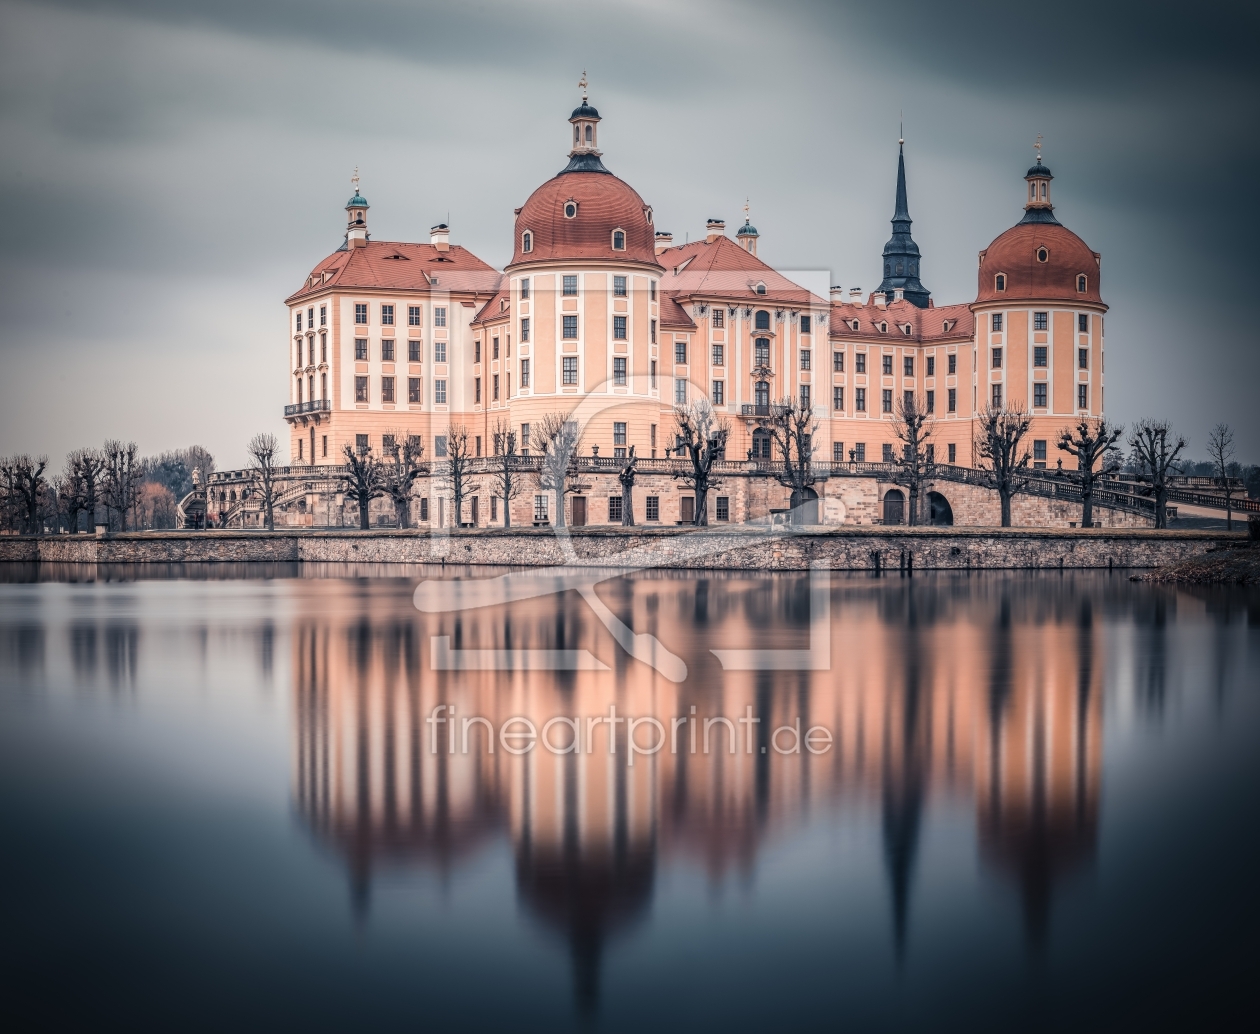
901, 254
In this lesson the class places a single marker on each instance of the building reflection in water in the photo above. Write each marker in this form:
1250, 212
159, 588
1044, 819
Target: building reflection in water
987, 690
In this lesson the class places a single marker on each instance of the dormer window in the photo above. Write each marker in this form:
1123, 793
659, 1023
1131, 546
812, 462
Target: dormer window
1043, 255
906, 329
570, 209
999, 282
883, 328
761, 288
527, 241
1082, 284
945, 327
619, 240
855, 325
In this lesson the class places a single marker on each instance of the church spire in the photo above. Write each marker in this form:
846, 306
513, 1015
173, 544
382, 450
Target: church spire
901, 254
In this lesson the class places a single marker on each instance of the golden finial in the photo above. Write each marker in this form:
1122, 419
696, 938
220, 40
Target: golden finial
354, 180
745, 209
583, 84
1037, 145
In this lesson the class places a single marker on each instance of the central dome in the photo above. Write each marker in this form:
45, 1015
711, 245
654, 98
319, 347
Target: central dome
1042, 262
577, 215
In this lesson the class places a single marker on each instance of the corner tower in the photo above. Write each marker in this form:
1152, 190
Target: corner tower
901, 254
356, 217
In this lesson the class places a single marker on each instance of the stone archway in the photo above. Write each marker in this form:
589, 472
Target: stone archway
804, 507
894, 506
940, 513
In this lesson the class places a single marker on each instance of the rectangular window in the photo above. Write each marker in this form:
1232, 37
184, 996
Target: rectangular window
886, 365
652, 435
476, 389
413, 390
907, 366
997, 359
719, 317
360, 349
570, 285
837, 362
1082, 358
477, 351
477, 446
360, 389
907, 400
569, 367
424, 508
494, 348
413, 351
524, 373
931, 366
360, 313
1040, 319
619, 328
619, 433
387, 315
323, 315
859, 399
837, 452
496, 387
1039, 394
997, 396
953, 453
324, 445
653, 508
837, 399
806, 358
614, 509
1082, 323
1039, 355
886, 400
524, 437
953, 400
524, 287
805, 403
652, 289
680, 391
860, 359
997, 321
439, 316
888, 453
439, 392
570, 328
1039, 449
323, 348
652, 327
723, 508
619, 371
387, 389
680, 353
1082, 396
953, 365
805, 325
931, 452
387, 350
439, 351
719, 355
761, 350
361, 444
439, 446
299, 321
931, 402
299, 353
619, 287
859, 452
413, 315
719, 393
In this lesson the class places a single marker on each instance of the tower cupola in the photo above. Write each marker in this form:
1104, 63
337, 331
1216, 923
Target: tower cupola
901, 254
1038, 209
747, 234
356, 216
585, 121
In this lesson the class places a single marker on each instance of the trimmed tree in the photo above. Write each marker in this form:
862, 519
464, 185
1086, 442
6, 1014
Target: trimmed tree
26, 489
626, 476
262, 450
560, 439
792, 427
363, 480
1093, 443
400, 467
999, 449
1221, 455
506, 474
81, 486
456, 468
122, 478
1155, 452
702, 439
913, 426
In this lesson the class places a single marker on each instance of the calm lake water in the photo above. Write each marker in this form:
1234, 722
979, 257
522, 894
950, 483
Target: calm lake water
1032, 803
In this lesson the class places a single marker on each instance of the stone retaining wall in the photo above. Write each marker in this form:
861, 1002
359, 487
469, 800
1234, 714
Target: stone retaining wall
727, 548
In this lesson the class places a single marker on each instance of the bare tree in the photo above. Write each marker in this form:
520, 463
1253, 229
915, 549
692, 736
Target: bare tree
1221, 455
914, 426
507, 477
400, 467
1155, 457
792, 428
626, 477
456, 469
998, 449
25, 489
1093, 443
122, 477
702, 436
262, 450
560, 438
81, 485
363, 480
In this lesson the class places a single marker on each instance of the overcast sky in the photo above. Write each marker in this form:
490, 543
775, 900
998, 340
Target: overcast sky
173, 169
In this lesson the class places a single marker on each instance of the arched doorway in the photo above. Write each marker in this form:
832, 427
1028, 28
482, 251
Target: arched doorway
894, 506
805, 507
940, 513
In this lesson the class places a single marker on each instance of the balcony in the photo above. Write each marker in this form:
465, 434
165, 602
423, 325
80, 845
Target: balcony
749, 409
315, 406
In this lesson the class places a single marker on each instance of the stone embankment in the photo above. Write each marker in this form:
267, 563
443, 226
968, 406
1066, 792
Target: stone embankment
1230, 563
724, 548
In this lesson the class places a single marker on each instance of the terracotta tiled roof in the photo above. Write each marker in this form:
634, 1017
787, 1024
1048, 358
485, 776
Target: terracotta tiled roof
1014, 253
497, 308
604, 204
723, 269
405, 267
927, 326
674, 315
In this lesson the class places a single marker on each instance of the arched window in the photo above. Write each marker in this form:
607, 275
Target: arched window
1032, 192
999, 282
570, 209
527, 241
359, 218
577, 134
1082, 283
619, 240
1042, 255
589, 131
762, 320
761, 288
883, 328
1044, 187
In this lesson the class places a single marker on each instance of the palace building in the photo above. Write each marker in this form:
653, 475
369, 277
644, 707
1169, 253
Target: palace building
603, 316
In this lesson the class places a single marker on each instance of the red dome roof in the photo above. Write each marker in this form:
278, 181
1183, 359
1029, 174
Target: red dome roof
1015, 253
604, 204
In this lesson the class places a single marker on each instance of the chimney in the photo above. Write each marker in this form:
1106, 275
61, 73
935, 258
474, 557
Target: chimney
837, 294
714, 229
881, 300
440, 237
855, 296
664, 239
